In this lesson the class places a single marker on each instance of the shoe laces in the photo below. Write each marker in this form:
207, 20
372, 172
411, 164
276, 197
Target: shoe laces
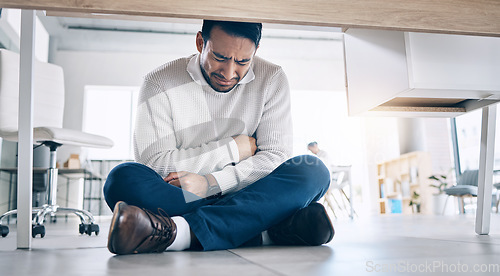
161, 229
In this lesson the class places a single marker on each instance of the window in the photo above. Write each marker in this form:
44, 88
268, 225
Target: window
469, 140
110, 111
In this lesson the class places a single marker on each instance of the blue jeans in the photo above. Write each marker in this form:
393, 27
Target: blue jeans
232, 220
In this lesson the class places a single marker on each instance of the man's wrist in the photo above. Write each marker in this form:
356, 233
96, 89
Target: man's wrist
213, 189
208, 181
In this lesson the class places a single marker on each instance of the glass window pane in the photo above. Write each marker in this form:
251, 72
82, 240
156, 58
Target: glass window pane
469, 140
109, 111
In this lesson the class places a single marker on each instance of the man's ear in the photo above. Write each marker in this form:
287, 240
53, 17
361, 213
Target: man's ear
256, 48
199, 42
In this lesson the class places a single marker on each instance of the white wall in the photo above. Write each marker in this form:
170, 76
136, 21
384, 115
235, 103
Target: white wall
309, 64
411, 135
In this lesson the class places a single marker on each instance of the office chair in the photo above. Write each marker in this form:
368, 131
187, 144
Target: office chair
466, 187
497, 186
339, 179
47, 122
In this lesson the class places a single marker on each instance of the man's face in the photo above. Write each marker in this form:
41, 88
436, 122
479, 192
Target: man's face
224, 59
314, 149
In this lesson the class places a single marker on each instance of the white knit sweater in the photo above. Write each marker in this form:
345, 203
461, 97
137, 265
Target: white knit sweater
183, 124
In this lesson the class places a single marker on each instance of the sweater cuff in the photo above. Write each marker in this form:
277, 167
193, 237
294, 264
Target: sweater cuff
234, 153
226, 179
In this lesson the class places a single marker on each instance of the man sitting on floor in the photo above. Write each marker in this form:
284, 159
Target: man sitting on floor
212, 143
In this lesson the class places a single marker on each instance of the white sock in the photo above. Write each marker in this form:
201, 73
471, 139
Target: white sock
183, 239
266, 240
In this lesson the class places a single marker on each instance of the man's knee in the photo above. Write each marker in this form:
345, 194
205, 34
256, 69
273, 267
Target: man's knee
119, 180
312, 169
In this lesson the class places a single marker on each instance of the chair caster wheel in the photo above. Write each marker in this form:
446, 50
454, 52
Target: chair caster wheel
89, 228
82, 228
4, 230
38, 229
92, 228
53, 219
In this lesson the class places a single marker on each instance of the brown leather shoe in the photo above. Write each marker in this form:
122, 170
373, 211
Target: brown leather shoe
136, 230
308, 226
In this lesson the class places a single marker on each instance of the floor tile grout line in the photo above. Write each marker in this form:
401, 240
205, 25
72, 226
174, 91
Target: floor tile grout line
38, 249
257, 264
450, 240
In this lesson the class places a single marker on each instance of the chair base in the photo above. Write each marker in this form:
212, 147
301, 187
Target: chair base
330, 200
87, 225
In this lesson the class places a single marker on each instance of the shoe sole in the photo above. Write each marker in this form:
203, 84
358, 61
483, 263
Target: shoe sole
114, 225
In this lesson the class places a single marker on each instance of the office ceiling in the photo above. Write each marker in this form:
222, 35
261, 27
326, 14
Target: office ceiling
116, 33
59, 24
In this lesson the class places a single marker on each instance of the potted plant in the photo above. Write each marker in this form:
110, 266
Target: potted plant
442, 182
439, 197
415, 202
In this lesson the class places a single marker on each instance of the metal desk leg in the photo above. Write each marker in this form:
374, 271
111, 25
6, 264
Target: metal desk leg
25, 148
67, 195
11, 197
485, 179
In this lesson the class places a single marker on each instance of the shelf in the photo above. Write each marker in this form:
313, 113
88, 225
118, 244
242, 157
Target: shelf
402, 172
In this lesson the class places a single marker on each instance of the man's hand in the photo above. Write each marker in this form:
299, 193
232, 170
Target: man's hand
190, 182
246, 146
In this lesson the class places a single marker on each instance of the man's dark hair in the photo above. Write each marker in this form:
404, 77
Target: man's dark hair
252, 31
312, 144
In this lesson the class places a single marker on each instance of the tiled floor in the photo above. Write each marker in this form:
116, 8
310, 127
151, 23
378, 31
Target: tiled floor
389, 245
